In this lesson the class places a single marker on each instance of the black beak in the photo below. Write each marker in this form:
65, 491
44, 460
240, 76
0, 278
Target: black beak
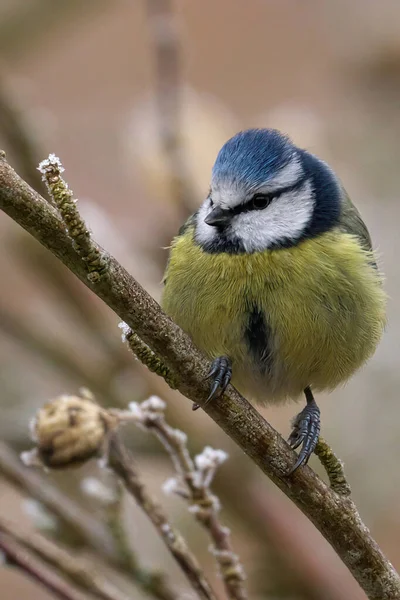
218, 217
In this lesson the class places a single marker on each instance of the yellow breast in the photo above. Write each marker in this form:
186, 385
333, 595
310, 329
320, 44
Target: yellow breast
320, 307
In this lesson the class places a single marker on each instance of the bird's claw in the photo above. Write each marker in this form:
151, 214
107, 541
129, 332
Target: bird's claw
221, 373
306, 429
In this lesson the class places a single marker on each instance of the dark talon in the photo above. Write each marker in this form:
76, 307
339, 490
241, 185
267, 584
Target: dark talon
306, 428
221, 372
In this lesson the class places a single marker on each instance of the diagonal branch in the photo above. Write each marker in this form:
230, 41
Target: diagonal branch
336, 517
17, 554
122, 464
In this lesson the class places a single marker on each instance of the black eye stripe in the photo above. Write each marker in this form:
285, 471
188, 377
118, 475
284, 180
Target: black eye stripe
249, 205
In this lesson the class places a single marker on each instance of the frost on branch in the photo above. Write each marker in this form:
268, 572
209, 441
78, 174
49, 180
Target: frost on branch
49, 165
192, 482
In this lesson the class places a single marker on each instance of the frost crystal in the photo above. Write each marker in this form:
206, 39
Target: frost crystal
41, 518
154, 403
49, 164
170, 486
167, 531
125, 330
210, 458
95, 488
180, 436
31, 458
136, 410
194, 509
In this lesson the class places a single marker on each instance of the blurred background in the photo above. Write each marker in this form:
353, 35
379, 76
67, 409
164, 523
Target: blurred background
136, 98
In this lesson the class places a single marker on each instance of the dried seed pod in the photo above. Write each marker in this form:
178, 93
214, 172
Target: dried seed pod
69, 430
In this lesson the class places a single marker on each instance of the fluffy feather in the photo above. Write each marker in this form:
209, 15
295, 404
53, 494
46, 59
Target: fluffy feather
322, 302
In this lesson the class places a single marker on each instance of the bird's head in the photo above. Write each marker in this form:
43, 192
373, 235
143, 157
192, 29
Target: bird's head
266, 193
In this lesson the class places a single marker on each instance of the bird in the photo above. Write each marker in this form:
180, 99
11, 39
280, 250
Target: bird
275, 279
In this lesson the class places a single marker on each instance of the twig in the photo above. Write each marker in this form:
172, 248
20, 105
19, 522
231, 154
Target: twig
146, 355
335, 516
193, 483
77, 570
58, 355
123, 465
18, 135
25, 560
152, 582
333, 467
81, 522
165, 42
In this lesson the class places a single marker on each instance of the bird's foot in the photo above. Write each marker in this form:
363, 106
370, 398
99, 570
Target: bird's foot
306, 429
221, 373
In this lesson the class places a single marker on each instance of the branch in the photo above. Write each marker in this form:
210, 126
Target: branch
335, 516
81, 523
77, 570
122, 463
78, 519
165, 42
193, 483
27, 562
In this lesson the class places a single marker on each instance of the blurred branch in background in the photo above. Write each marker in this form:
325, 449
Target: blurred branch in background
80, 572
192, 482
336, 516
19, 135
19, 555
164, 28
77, 524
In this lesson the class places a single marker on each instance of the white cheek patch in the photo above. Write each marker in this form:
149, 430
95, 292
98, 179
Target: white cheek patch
204, 233
284, 219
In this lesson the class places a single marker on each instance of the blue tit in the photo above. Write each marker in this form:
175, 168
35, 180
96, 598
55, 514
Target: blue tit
274, 278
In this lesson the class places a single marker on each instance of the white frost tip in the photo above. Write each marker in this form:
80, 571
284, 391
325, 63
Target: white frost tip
50, 164
170, 486
180, 436
154, 403
93, 487
136, 410
210, 458
31, 458
125, 330
40, 517
194, 509
167, 531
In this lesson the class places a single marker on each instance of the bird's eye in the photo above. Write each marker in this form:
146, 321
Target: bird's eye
260, 201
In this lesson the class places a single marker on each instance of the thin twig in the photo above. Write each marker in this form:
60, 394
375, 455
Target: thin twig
333, 467
82, 523
18, 134
26, 560
335, 516
193, 483
80, 572
122, 463
86, 527
152, 582
165, 43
